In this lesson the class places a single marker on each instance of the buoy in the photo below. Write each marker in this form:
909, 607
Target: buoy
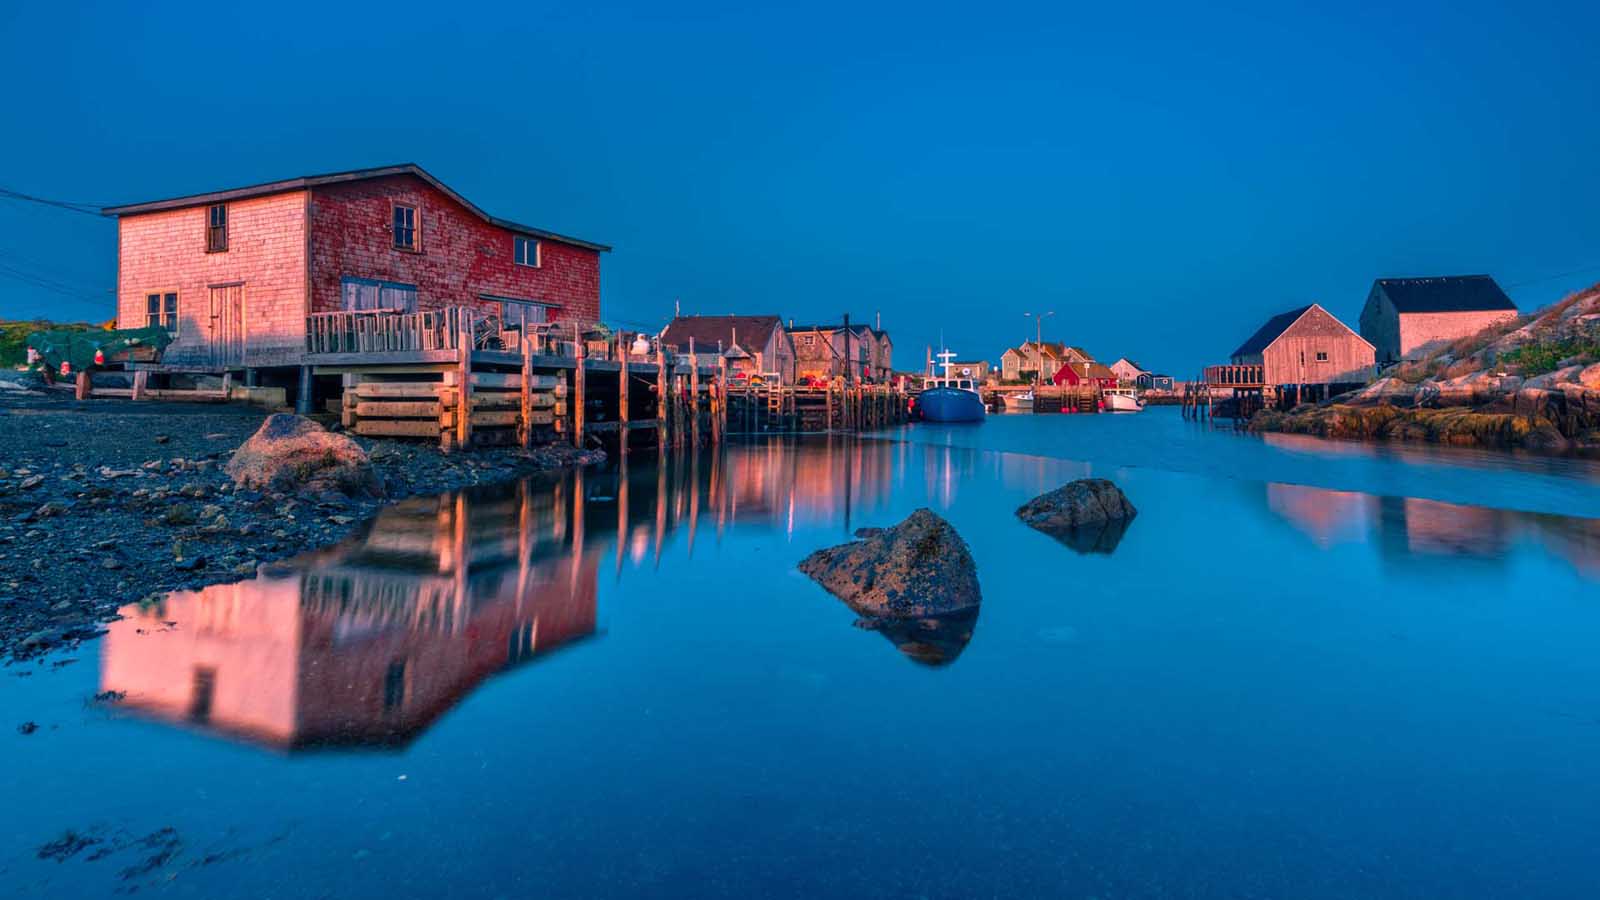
99, 357
66, 368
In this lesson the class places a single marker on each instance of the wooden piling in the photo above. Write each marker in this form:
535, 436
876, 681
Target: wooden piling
722, 390
464, 382
623, 415
694, 396
527, 389
580, 398
663, 396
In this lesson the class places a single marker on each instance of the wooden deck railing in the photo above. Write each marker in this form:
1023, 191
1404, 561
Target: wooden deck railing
1235, 376
383, 331
377, 332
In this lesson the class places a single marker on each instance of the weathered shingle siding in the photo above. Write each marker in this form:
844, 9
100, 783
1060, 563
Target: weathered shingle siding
165, 251
1292, 357
461, 255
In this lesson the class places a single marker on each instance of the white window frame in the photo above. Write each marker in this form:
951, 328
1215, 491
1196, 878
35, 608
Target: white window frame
519, 240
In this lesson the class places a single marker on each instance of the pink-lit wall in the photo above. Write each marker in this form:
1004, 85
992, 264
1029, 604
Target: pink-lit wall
161, 252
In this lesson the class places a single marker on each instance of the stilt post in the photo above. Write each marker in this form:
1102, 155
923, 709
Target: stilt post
580, 400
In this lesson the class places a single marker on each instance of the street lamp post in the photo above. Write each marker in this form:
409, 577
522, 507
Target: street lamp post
1038, 350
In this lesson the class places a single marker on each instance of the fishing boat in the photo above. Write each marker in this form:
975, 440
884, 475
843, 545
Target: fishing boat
951, 397
1121, 399
1019, 403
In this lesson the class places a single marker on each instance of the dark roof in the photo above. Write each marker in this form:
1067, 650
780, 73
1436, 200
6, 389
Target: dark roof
707, 331
1269, 332
310, 181
1449, 293
839, 326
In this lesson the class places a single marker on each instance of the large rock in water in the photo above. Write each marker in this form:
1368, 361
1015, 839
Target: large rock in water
291, 453
917, 568
1089, 515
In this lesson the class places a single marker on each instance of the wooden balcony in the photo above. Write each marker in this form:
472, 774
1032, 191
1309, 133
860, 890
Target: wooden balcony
1236, 376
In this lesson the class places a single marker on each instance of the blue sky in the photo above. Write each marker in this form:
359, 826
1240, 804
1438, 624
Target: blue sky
1160, 176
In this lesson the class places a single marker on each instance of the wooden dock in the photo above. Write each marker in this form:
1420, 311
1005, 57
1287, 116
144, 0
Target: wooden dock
1243, 387
840, 406
1050, 398
465, 379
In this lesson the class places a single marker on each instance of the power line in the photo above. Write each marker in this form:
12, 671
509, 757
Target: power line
88, 209
35, 268
50, 284
1577, 271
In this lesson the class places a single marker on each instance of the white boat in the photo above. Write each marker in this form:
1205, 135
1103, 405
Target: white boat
1122, 400
1022, 402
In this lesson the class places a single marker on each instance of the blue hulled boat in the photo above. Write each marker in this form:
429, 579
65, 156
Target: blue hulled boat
951, 397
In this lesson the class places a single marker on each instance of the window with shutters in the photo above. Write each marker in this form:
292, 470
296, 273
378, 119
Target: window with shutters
217, 228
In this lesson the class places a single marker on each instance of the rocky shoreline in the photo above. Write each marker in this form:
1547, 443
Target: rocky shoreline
1534, 385
105, 503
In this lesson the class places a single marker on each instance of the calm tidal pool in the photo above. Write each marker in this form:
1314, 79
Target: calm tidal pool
1306, 669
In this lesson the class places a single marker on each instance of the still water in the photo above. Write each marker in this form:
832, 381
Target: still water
1306, 669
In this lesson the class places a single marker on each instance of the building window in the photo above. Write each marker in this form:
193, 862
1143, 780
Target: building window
526, 251
521, 313
1322, 356
372, 294
217, 228
405, 227
808, 340
394, 686
161, 311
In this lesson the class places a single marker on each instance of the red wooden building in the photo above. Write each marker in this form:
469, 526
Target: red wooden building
1085, 374
234, 273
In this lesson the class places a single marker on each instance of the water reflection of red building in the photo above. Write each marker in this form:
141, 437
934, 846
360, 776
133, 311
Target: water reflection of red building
368, 644
1327, 517
1412, 527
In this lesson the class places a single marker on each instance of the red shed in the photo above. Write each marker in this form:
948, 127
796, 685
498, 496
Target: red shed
1078, 374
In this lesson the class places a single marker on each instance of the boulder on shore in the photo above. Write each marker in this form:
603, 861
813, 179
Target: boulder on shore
1089, 515
918, 568
292, 453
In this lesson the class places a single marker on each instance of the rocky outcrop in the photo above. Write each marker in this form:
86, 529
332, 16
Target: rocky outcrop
920, 567
914, 583
289, 453
1486, 390
1089, 515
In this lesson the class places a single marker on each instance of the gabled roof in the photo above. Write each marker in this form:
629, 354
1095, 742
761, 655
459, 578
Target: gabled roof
1086, 370
1051, 349
1269, 332
708, 331
857, 327
1448, 293
305, 182
1131, 363
1278, 324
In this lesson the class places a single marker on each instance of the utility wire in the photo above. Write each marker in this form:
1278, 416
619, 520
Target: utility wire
88, 209
1578, 271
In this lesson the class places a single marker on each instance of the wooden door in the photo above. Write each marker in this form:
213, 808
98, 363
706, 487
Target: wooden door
227, 325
